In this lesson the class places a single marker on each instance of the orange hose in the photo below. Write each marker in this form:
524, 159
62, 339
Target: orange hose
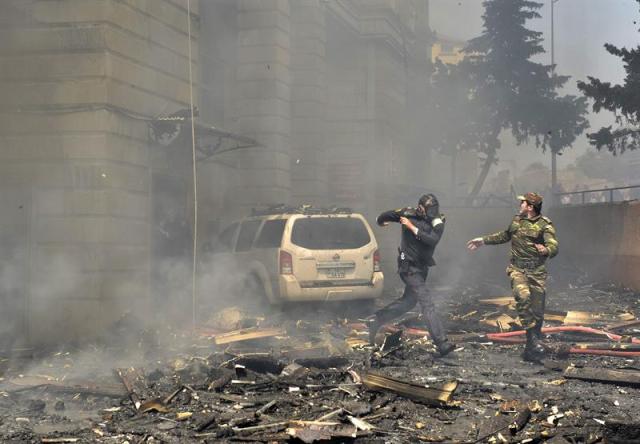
512, 337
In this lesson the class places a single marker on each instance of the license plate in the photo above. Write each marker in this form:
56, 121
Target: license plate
335, 273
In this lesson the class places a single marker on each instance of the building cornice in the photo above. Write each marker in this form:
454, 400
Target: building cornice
373, 19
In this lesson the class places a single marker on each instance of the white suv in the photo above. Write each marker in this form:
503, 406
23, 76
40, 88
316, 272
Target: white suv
303, 254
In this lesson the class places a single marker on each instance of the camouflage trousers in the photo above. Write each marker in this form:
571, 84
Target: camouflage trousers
528, 287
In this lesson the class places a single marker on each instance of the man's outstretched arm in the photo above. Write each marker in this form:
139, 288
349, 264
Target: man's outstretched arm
388, 216
500, 237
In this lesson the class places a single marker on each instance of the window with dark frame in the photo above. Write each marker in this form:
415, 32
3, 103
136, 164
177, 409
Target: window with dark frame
271, 234
248, 230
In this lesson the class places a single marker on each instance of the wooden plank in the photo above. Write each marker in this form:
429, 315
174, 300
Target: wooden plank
436, 395
622, 346
625, 377
502, 321
32, 382
311, 431
623, 325
247, 334
500, 302
130, 378
582, 318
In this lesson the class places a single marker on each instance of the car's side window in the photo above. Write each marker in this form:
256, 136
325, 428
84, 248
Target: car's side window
224, 242
271, 234
248, 230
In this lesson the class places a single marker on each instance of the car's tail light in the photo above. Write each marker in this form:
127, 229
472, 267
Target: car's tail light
286, 263
376, 260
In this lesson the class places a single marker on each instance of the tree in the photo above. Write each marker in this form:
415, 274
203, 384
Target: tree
450, 120
622, 100
509, 91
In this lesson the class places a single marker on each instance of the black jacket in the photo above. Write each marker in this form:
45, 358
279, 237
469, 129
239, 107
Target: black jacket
419, 248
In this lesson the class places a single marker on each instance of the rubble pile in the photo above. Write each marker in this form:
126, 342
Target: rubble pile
310, 376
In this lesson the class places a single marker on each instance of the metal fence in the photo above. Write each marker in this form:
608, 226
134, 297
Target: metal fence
616, 194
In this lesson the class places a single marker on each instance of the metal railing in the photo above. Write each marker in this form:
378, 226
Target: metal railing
615, 194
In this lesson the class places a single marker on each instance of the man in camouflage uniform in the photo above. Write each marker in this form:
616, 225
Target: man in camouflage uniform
533, 241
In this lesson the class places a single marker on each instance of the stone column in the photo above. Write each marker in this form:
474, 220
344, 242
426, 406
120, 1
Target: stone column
264, 109
308, 103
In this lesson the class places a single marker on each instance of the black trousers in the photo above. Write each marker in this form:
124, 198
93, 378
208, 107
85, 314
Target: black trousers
415, 291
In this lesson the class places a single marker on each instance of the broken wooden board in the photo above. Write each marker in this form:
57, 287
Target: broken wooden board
134, 381
30, 382
554, 316
436, 396
503, 322
311, 431
582, 318
623, 325
623, 346
59, 440
505, 301
623, 377
247, 334
355, 342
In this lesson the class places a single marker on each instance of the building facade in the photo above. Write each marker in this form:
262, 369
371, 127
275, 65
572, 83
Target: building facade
306, 101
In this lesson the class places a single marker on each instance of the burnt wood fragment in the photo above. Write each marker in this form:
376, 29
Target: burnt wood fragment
437, 395
621, 377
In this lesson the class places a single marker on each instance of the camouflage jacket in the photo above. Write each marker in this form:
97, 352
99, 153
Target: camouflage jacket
523, 234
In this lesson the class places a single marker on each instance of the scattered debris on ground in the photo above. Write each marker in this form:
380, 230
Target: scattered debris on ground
310, 376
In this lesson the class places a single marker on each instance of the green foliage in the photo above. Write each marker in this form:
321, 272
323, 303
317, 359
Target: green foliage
517, 93
622, 100
500, 88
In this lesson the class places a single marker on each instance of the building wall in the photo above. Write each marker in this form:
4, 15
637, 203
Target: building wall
602, 240
309, 181
263, 76
322, 86
78, 81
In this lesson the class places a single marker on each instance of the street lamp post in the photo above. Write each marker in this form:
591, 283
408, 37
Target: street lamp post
554, 155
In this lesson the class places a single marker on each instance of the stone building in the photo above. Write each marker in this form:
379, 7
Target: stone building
332, 90
305, 101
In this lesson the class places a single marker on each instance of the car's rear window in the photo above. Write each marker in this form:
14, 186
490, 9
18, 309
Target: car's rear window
329, 233
271, 234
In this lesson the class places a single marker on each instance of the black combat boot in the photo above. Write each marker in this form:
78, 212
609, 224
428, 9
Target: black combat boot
445, 347
533, 350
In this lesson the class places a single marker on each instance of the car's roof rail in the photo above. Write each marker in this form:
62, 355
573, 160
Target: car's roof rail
301, 209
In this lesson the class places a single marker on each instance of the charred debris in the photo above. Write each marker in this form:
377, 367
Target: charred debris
295, 376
